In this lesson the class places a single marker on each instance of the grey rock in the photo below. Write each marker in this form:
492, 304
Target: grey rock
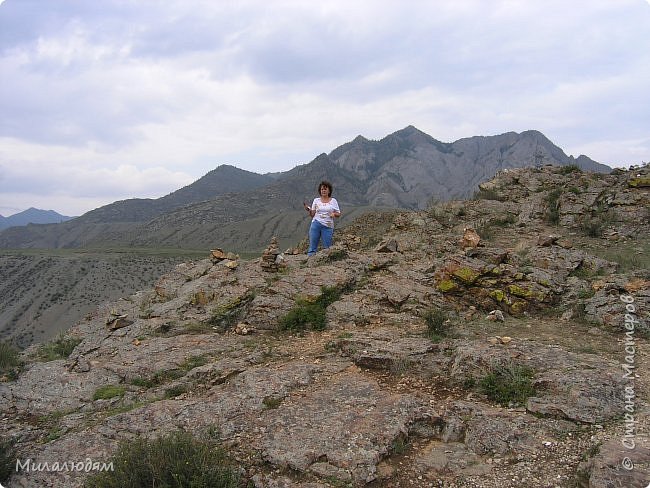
350, 422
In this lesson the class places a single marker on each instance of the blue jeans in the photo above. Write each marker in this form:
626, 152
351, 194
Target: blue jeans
318, 231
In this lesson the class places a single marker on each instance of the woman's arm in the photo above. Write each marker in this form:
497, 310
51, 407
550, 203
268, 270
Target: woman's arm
308, 208
336, 212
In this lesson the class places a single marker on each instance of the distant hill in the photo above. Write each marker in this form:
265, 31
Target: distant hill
32, 216
220, 181
406, 169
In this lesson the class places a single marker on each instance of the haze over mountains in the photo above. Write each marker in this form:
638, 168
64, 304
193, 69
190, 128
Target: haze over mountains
241, 210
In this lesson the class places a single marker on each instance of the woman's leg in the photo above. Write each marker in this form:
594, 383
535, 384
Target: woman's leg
314, 237
326, 234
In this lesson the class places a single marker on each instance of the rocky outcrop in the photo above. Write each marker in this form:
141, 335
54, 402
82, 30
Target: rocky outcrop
400, 387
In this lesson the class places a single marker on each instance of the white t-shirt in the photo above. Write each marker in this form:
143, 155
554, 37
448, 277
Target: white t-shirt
323, 211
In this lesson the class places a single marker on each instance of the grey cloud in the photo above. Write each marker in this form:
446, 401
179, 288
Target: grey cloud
490, 67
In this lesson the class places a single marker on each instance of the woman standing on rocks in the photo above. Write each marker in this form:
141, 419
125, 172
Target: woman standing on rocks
323, 211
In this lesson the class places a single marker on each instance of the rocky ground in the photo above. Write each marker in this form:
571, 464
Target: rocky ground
386, 395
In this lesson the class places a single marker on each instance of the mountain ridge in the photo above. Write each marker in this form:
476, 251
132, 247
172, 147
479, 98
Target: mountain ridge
32, 216
404, 169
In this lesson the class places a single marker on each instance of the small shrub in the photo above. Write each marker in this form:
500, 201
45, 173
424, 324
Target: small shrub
142, 382
597, 220
9, 361
571, 168
485, 229
594, 225
164, 328
198, 327
399, 445
271, 402
552, 212
336, 254
176, 460
585, 272
304, 315
159, 377
400, 365
108, 391
509, 219
332, 346
508, 384
469, 383
329, 294
488, 194
175, 391
7, 459
228, 314
585, 293
60, 348
307, 314
193, 362
442, 214
437, 322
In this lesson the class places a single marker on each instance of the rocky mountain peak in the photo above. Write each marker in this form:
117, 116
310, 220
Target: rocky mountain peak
475, 339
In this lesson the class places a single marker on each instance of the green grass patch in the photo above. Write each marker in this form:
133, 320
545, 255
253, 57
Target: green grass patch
159, 377
176, 460
107, 392
304, 315
194, 362
631, 256
508, 384
59, 348
175, 391
10, 363
310, 314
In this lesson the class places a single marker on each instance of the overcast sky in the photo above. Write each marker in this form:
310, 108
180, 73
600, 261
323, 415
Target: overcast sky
112, 99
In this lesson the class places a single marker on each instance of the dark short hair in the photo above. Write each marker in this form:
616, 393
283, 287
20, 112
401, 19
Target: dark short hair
326, 184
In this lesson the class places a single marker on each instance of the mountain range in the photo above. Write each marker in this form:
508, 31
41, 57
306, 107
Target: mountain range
32, 216
242, 210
